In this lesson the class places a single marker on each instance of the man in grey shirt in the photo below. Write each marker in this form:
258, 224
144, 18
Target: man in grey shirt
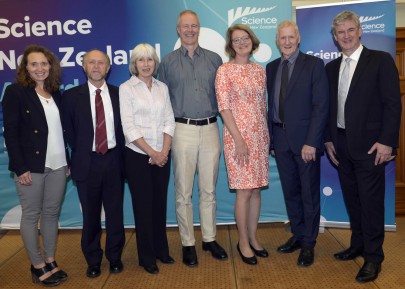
189, 72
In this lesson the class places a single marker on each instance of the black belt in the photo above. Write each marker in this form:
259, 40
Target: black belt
204, 121
341, 130
282, 125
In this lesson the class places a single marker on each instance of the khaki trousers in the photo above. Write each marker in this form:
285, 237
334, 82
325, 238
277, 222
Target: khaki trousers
196, 148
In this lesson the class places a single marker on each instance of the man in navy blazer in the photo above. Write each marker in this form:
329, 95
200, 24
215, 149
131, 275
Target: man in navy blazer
99, 177
297, 114
362, 134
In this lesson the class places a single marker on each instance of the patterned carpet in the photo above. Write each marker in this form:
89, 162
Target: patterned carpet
277, 271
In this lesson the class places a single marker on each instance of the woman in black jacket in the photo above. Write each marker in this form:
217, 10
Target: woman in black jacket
37, 156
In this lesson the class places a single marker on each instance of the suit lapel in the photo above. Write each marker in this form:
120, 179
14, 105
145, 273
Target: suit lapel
273, 76
298, 67
334, 82
361, 65
335, 76
114, 103
35, 99
85, 106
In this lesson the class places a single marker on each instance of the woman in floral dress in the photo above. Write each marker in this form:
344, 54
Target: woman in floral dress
241, 92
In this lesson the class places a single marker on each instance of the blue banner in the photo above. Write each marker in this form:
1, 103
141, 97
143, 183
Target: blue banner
69, 28
378, 24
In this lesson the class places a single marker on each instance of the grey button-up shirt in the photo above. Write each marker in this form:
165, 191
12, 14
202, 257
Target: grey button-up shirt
191, 82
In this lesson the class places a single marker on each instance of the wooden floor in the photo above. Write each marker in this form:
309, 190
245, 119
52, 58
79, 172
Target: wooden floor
277, 271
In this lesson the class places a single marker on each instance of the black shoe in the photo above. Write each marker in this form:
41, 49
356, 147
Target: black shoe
260, 253
248, 260
152, 269
116, 267
290, 246
60, 274
166, 260
348, 254
306, 257
216, 250
368, 272
37, 273
190, 256
93, 271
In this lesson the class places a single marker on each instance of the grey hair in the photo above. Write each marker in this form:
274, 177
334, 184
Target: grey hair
343, 17
142, 50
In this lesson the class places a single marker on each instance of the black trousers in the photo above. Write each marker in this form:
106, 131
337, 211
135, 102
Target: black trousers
363, 188
103, 187
148, 186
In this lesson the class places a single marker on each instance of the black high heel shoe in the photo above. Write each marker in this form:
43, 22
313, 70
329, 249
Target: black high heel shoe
248, 260
50, 281
62, 275
260, 253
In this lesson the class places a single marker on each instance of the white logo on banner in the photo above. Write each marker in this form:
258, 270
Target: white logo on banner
235, 15
373, 27
369, 18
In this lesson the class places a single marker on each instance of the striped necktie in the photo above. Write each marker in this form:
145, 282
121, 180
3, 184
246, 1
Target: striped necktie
101, 131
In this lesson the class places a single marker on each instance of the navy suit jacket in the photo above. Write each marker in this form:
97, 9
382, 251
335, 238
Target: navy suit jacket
306, 102
373, 104
26, 129
79, 130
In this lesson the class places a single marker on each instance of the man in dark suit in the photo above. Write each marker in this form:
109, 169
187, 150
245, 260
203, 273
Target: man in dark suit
365, 112
298, 106
97, 166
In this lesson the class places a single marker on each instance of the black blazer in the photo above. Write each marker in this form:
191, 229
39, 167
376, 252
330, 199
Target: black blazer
26, 129
306, 103
373, 104
79, 131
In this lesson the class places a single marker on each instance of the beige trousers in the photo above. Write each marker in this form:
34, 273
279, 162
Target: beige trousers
196, 148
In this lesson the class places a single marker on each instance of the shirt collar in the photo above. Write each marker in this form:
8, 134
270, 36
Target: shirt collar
93, 89
355, 55
136, 81
184, 51
292, 58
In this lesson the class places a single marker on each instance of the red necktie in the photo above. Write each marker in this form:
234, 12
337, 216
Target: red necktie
101, 131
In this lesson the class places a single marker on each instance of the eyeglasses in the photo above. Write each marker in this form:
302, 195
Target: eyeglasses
241, 39
188, 27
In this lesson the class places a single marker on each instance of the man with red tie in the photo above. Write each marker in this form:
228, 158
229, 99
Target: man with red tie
91, 119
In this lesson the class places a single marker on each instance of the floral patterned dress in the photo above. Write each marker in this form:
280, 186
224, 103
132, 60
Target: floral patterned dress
241, 88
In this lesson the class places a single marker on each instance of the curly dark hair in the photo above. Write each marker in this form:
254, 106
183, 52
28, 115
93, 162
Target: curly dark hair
52, 82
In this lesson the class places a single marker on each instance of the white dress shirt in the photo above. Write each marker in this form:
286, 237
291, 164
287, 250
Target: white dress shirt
145, 113
108, 113
353, 64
